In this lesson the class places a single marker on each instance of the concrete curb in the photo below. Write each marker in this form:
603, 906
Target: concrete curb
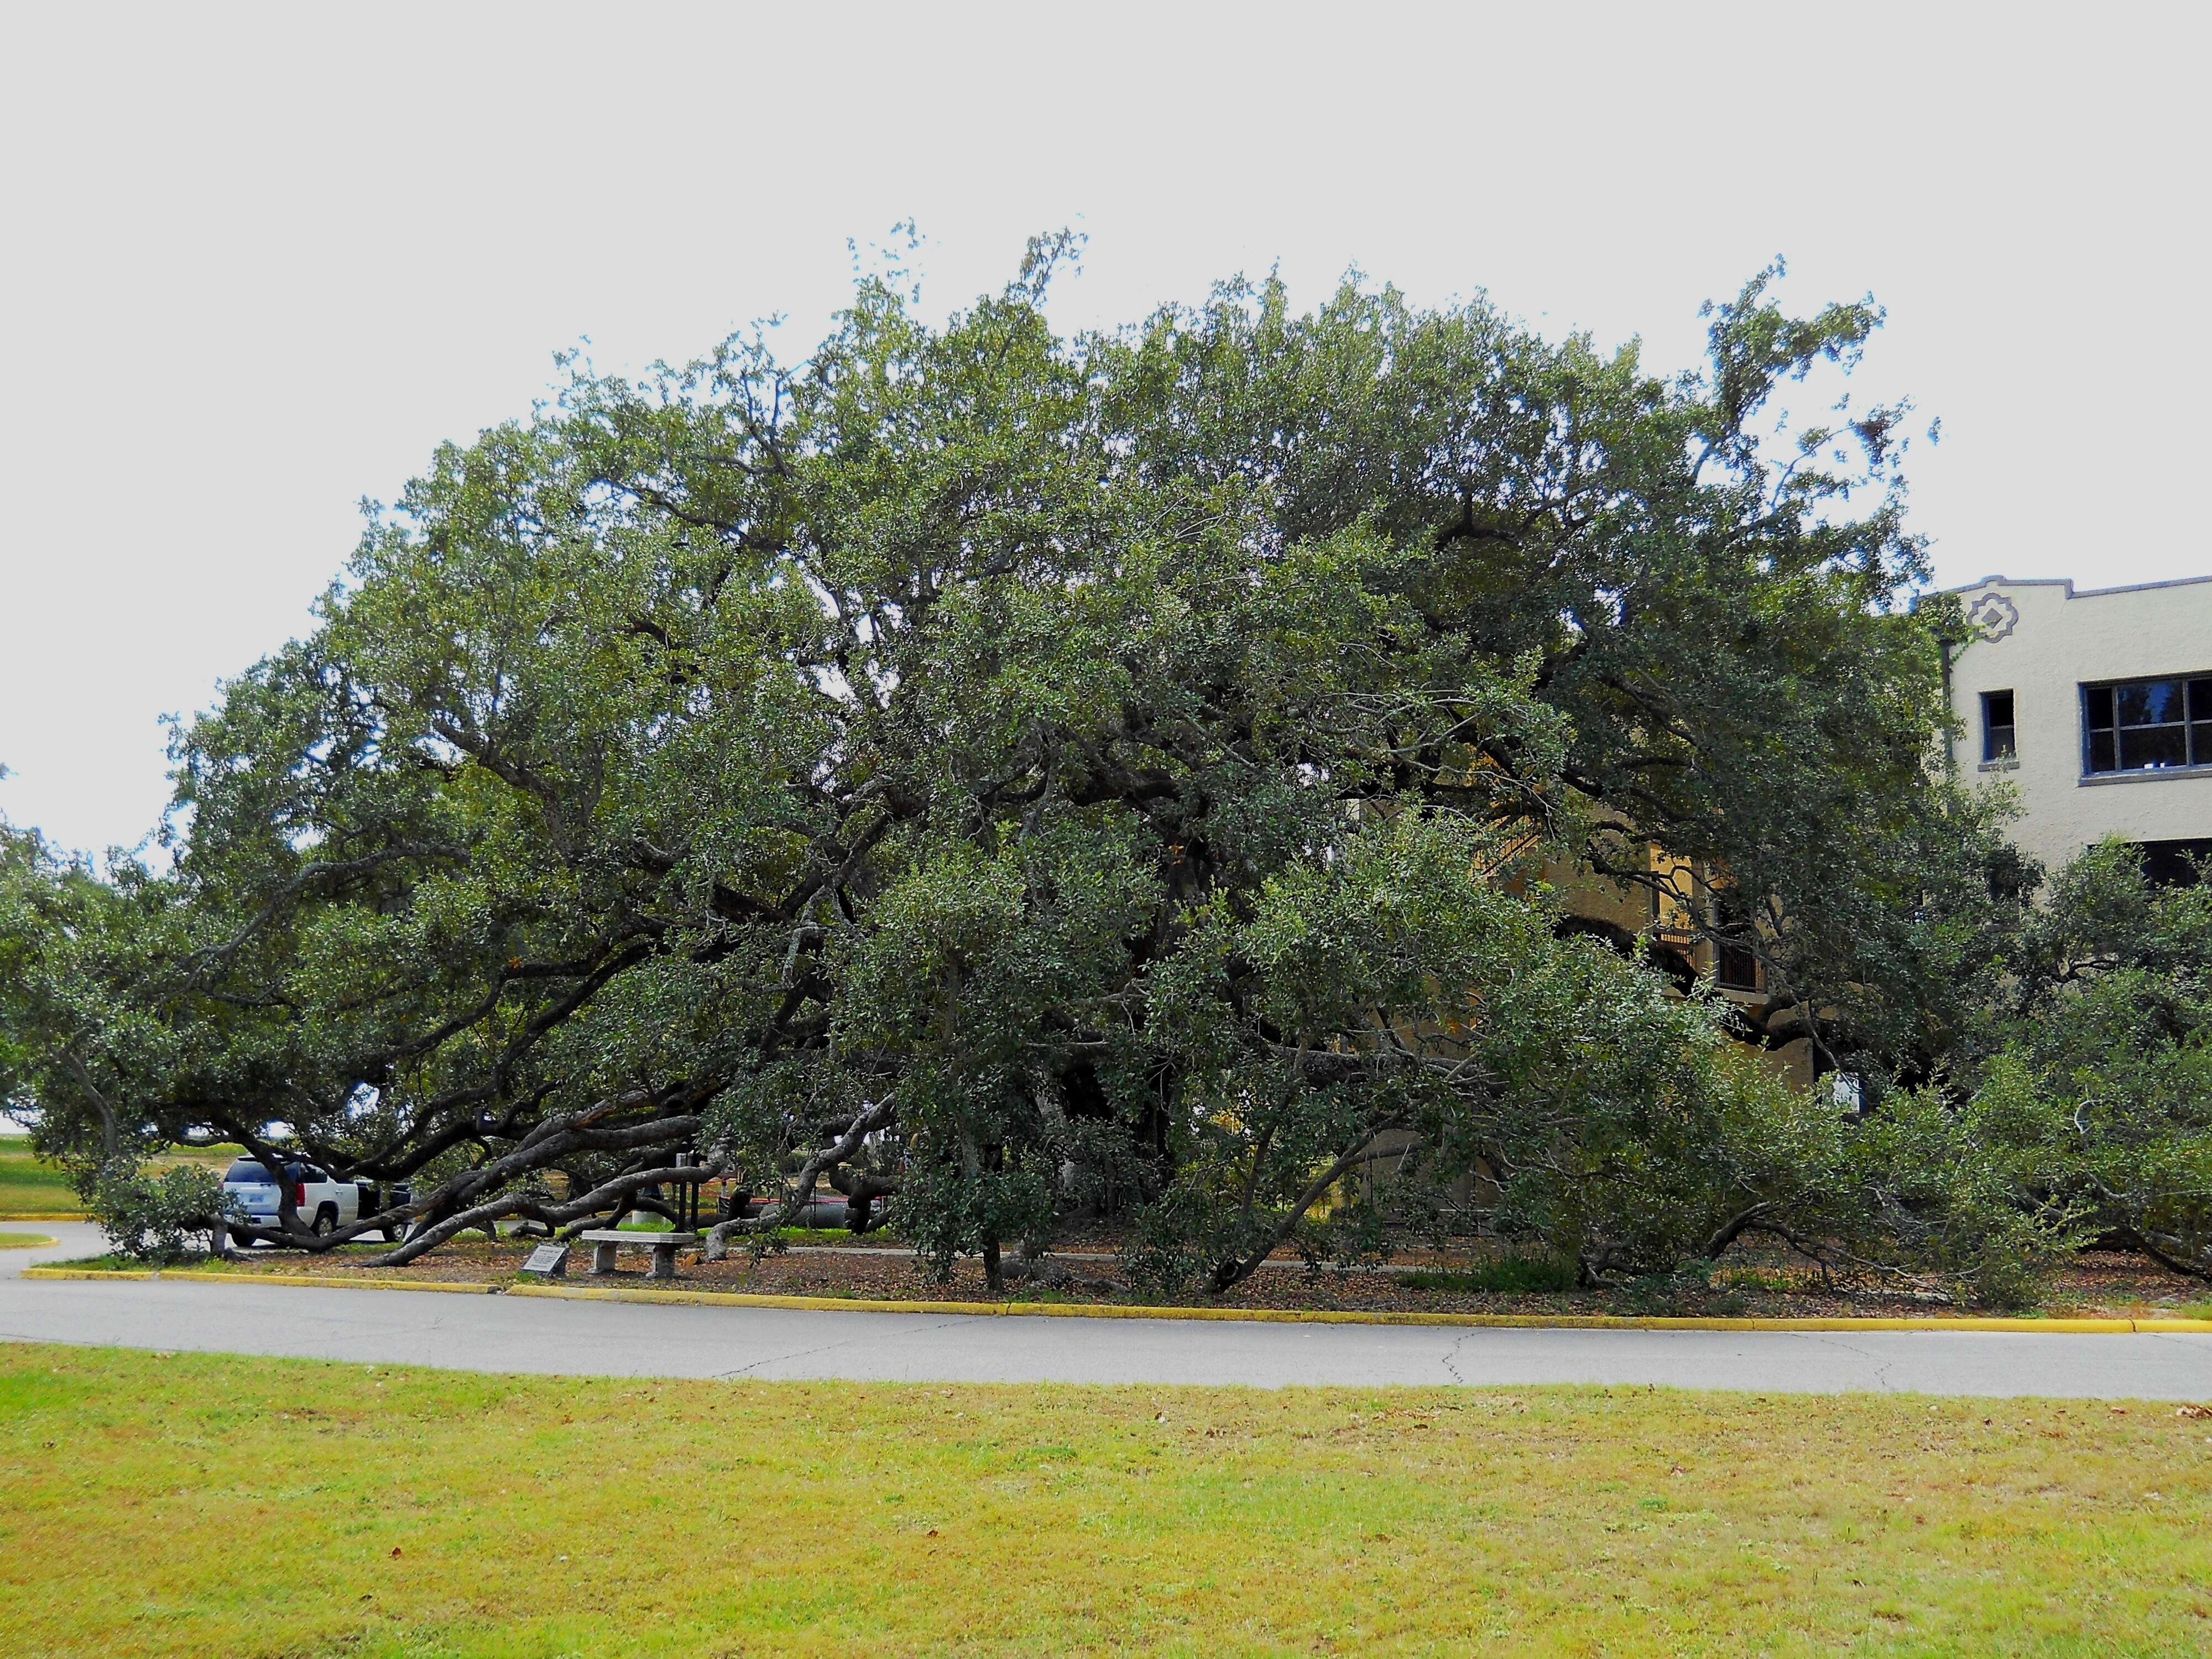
1118, 1310
1351, 1316
46, 1215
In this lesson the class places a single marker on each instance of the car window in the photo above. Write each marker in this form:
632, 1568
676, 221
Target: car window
247, 1172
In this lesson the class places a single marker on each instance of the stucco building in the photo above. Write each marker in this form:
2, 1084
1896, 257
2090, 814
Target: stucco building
2096, 706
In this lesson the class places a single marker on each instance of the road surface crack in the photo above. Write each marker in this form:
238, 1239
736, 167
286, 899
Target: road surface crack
1882, 1384
1451, 1356
827, 1347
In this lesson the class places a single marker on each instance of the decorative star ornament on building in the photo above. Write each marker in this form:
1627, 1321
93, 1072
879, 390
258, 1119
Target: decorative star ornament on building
1994, 614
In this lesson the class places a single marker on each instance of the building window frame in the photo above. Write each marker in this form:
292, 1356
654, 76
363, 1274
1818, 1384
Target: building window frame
1736, 965
1730, 931
2151, 726
2171, 862
2000, 728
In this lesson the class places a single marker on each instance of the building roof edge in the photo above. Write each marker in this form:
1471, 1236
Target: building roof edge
2067, 582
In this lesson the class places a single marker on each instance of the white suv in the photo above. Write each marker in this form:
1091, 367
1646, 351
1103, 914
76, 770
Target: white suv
324, 1204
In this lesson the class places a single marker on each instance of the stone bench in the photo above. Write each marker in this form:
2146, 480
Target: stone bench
606, 1241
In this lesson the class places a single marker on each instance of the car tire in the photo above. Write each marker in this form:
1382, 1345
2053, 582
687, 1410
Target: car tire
326, 1221
242, 1240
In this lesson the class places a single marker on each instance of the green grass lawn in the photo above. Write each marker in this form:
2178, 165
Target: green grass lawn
12, 1241
28, 1186
197, 1504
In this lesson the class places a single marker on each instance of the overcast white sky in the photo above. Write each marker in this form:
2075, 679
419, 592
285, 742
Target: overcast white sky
255, 264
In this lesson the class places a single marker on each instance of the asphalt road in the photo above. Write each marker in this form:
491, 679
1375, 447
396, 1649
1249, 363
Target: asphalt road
617, 1339
72, 1239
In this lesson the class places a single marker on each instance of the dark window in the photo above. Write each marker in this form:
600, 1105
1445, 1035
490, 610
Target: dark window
1735, 966
247, 1172
1997, 731
2146, 727
1734, 963
2173, 863
2097, 716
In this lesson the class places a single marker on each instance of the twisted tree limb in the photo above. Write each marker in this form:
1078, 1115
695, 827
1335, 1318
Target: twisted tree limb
876, 1115
555, 1216
459, 1204
1237, 1269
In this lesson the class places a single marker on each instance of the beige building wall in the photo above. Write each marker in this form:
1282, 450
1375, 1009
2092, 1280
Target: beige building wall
2045, 641
1668, 918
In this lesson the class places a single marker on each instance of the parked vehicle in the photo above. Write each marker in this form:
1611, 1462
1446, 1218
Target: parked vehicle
322, 1202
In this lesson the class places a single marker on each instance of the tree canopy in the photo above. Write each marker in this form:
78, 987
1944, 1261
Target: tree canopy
999, 771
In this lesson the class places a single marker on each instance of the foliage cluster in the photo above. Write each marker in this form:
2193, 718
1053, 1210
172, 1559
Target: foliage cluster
2090, 1081
155, 1214
1509, 1273
1004, 775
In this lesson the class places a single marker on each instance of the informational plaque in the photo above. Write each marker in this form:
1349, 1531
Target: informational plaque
550, 1259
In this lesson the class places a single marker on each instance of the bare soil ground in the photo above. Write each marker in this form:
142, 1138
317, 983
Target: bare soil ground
2097, 1285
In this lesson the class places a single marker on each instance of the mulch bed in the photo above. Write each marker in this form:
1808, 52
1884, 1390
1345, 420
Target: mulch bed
2096, 1285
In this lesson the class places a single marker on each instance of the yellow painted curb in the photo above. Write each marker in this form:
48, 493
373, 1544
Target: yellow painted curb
1299, 1316
47, 1215
320, 1282
1121, 1311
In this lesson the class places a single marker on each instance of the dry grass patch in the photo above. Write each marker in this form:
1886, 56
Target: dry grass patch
198, 1505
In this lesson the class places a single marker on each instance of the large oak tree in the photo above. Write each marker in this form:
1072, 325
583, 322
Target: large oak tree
998, 771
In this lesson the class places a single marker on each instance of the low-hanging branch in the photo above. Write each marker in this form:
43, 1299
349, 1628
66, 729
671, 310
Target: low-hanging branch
553, 1215
876, 1115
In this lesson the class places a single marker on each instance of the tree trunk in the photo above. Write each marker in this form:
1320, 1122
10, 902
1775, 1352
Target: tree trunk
110, 1140
1228, 1274
861, 1189
1733, 1230
871, 1118
993, 1275
2167, 1258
